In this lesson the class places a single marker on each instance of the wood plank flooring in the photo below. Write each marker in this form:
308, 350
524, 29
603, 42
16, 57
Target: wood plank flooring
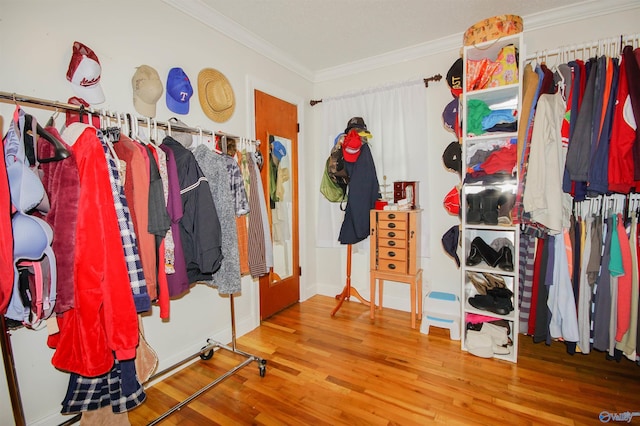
349, 370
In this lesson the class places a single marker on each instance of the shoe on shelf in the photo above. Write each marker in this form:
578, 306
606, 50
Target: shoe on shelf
480, 283
479, 344
505, 204
486, 302
505, 260
495, 281
498, 334
501, 350
489, 202
474, 256
485, 251
474, 209
500, 292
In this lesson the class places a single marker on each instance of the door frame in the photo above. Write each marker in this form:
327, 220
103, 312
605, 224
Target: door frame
254, 83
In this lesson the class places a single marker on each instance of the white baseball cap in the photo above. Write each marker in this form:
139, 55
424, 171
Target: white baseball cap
84, 74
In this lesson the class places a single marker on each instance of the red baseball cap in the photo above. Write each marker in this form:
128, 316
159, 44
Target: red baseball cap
351, 146
452, 201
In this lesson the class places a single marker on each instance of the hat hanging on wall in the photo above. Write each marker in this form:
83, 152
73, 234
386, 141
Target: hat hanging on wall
84, 73
450, 117
179, 91
452, 157
215, 95
147, 90
454, 78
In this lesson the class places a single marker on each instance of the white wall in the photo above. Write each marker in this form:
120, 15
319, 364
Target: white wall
441, 272
35, 46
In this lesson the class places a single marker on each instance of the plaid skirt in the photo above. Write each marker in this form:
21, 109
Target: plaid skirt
119, 388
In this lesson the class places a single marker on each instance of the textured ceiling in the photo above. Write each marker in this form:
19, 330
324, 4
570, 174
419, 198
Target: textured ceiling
322, 34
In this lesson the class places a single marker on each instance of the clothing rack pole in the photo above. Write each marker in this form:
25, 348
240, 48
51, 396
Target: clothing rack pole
16, 98
205, 353
12, 377
594, 44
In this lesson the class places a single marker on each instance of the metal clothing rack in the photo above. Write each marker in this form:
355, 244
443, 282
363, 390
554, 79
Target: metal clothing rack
205, 353
611, 45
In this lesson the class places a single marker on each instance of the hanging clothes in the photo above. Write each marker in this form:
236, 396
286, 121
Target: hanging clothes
200, 227
178, 280
136, 188
103, 321
257, 246
214, 166
364, 190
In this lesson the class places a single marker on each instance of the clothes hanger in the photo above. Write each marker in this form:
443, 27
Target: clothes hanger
52, 120
199, 137
60, 153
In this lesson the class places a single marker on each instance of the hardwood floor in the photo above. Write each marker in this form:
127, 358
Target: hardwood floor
349, 370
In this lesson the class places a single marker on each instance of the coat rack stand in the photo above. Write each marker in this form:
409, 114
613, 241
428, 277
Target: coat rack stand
205, 353
348, 291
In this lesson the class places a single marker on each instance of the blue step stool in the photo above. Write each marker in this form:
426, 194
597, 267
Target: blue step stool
442, 310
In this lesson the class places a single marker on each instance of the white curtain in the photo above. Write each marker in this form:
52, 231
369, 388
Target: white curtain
396, 115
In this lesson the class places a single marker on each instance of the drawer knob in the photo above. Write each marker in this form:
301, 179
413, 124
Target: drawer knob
392, 243
392, 216
392, 225
392, 266
392, 254
391, 234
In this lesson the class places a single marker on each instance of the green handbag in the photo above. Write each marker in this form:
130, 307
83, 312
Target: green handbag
331, 190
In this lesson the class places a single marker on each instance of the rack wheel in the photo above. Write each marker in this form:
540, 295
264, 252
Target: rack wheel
206, 355
263, 367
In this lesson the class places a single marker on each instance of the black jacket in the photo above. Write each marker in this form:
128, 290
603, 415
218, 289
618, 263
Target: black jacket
363, 191
200, 229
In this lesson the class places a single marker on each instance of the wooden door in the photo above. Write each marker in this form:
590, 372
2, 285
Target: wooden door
277, 126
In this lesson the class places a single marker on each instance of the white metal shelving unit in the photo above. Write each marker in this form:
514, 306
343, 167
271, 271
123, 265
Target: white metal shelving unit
501, 97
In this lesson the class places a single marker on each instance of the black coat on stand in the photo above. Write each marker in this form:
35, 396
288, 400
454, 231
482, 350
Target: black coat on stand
363, 192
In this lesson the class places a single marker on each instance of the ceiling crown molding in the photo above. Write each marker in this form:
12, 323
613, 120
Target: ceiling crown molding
213, 19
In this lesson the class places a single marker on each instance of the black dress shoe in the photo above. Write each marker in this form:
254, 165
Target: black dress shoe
505, 260
489, 303
500, 292
488, 254
474, 256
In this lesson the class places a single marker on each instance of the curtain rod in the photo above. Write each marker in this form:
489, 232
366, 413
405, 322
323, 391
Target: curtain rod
436, 77
617, 41
16, 98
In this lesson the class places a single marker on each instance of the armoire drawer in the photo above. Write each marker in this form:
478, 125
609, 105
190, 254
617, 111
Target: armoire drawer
387, 265
393, 233
393, 225
394, 243
394, 254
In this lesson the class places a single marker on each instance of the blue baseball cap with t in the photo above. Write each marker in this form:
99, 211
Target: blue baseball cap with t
179, 91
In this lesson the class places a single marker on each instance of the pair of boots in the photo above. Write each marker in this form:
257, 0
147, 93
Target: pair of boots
496, 300
490, 207
481, 251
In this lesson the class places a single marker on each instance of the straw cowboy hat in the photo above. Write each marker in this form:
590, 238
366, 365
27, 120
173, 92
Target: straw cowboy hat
216, 95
